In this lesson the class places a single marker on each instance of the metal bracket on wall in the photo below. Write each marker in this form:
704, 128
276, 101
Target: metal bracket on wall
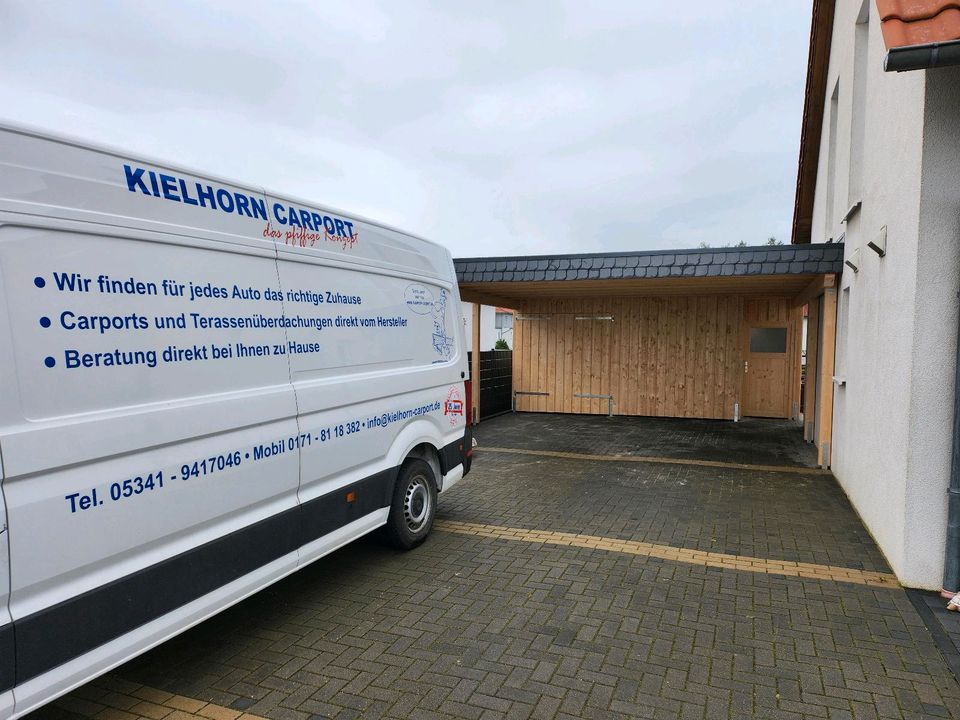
854, 209
513, 406
608, 398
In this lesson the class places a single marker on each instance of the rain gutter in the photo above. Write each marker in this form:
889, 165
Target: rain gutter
921, 57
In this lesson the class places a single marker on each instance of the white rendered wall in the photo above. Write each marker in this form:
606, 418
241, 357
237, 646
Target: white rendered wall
935, 333
875, 433
488, 331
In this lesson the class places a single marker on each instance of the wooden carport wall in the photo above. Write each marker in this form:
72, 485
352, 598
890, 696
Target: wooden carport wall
715, 313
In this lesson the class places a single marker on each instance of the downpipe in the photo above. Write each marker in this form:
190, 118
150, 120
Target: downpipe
951, 563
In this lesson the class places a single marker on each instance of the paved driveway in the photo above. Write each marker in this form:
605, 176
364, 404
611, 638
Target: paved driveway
587, 568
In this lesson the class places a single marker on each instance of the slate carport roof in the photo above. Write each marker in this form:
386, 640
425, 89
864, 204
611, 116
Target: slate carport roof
744, 262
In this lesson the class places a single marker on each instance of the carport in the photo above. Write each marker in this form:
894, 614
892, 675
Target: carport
707, 334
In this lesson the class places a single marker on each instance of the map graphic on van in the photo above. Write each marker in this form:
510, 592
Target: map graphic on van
443, 342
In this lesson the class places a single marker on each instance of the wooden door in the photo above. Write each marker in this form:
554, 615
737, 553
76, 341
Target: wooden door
766, 369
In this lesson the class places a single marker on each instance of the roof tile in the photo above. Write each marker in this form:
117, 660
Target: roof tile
761, 260
918, 22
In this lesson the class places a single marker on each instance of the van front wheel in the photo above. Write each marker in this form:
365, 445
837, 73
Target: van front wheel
414, 505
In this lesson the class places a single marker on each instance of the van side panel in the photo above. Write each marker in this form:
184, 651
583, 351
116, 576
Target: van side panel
155, 452
387, 359
7, 646
201, 386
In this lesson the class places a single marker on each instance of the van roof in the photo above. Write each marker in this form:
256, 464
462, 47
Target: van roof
68, 139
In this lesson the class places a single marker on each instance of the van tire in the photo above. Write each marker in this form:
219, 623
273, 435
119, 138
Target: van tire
414, 505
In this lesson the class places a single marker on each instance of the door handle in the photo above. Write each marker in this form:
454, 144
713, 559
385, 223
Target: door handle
746, 365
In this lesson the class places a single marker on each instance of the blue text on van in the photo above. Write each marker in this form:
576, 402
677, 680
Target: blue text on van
177, 189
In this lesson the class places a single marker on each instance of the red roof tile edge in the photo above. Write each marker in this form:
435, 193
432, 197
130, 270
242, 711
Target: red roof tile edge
918, 22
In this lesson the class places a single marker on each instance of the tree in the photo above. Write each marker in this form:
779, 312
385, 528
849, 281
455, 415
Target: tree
704, 245
773, 241
501, 344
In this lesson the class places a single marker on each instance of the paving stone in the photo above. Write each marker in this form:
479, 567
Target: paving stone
475, 627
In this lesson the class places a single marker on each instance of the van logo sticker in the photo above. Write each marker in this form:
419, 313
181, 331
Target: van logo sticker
418, 299
453, 406
296, 225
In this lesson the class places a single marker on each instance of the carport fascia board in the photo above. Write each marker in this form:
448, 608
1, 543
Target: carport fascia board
469, 293
815, 289
513, 293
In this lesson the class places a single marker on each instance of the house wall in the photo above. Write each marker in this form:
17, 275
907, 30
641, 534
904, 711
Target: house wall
673, 356
488, 331
897, 321
935, 330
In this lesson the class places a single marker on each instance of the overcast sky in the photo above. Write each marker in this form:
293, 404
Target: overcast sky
495, 127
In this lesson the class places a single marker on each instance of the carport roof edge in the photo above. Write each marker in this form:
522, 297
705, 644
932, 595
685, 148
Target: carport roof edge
689, 263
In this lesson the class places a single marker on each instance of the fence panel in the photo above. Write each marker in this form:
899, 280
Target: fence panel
496, 382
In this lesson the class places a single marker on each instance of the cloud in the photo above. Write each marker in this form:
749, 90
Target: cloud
493, 128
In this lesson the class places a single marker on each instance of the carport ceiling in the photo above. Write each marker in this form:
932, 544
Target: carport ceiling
779, 270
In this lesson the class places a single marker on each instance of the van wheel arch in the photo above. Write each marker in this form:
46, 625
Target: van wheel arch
430, 455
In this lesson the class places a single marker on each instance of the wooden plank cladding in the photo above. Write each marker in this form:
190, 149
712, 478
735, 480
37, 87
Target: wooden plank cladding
664, 356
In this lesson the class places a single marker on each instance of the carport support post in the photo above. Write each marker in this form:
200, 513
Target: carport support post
828, 333
475, 366
810, 381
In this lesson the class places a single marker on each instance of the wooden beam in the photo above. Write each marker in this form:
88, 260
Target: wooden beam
475, 366
514, 291
815, 289
815, 92
472, 295
828, 335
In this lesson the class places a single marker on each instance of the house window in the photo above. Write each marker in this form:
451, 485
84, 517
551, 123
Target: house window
861, 50
503, 320
843, 325
830, 222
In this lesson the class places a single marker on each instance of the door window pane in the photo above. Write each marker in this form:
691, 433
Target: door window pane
768, 340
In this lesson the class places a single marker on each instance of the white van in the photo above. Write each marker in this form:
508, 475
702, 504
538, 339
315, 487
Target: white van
203, 387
